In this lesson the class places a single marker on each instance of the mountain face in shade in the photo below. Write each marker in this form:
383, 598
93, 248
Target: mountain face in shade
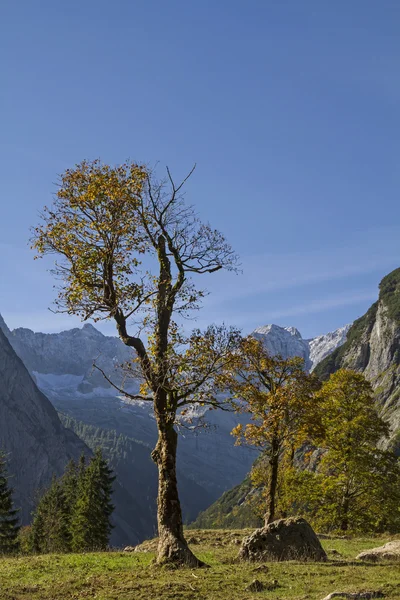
31, 434
62, 366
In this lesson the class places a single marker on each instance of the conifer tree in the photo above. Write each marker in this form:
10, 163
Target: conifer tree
70, 482
51, 523
91, 525
8, 514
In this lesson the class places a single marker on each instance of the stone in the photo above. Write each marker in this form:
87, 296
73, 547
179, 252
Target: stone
130, 549
285, 539
255, 586
259, 586
261, 569
390, 551
355, 595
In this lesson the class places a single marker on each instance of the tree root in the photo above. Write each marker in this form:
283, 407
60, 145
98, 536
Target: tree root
177, 553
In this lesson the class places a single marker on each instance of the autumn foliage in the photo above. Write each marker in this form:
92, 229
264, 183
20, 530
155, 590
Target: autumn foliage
279, 395
127, 248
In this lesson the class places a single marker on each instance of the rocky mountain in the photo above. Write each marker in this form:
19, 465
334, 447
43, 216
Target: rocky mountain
208, 461
36, 443
373, 347
62, 366
287, 341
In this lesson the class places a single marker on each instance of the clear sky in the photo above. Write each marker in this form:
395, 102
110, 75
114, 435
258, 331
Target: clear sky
290, 108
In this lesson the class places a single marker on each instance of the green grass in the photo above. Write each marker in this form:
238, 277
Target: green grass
123, 576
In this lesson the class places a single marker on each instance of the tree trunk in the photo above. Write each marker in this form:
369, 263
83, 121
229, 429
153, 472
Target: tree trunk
344, 525
273, 482
172, 546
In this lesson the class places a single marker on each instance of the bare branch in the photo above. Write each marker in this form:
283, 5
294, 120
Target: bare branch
124, 392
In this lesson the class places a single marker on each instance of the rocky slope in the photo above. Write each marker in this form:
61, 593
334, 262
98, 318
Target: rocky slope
36, 443
373, 347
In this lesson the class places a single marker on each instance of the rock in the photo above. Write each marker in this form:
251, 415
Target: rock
261, 569
192, 541
255, 586
259, 586
235, 542
390, 551
355, 595
130, 549
285, 539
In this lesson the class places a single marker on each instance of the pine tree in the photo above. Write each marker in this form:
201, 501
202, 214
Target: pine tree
105, 482
8, 514
51, 523
70, 483
91, 525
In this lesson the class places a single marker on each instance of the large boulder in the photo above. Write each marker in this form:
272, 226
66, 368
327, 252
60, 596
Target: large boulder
390, 551
285, 539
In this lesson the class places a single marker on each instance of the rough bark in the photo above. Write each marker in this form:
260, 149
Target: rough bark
172, 546
273, 482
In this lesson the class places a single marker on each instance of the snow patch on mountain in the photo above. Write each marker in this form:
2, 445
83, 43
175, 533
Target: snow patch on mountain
323, 345
288, 342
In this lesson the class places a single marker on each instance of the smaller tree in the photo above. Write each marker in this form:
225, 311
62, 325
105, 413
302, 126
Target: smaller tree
279, 395
357, 479
91, 520
9, 522
50, 526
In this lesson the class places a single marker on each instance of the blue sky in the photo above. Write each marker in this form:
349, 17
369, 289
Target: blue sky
289, 108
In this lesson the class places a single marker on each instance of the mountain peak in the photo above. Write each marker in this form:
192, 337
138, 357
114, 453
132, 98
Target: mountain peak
3, 326
89, 329
294, 331
288, 342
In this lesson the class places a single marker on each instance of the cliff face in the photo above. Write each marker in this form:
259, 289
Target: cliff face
373, 347
31, 433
